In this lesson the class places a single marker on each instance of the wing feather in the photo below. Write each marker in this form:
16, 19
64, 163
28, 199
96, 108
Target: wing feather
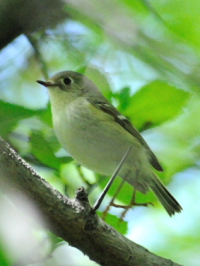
127, 125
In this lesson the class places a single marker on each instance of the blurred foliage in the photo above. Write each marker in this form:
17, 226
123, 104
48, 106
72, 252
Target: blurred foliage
116, 222
166, 102
145, 58
4, 257
10, 115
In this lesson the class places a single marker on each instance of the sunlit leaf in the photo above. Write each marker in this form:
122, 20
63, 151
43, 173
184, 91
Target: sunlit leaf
155, 103
184, 23
41, 149
4, 259
115, 222
10, 114
46, 116
124, 98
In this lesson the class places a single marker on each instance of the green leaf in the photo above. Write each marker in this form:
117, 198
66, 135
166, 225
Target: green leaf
125, 193
120, 225
66, 159
46, 116
155, 103
10, 114
55, 241
185, 23
41, 149
124, 98
5, 258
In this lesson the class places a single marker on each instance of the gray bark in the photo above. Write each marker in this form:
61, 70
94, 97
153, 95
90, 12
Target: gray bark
72, 219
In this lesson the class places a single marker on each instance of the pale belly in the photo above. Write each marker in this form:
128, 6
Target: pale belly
98, 146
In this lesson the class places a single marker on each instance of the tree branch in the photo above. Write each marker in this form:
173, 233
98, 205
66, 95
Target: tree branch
21, 17
72, 219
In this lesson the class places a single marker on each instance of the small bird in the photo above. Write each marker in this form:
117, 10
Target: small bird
97, 135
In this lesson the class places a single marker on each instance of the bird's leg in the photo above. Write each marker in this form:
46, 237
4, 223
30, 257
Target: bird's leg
125, 207
133, 203
111, 203
101, 197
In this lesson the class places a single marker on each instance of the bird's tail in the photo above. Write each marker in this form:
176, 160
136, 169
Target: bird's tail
167, 200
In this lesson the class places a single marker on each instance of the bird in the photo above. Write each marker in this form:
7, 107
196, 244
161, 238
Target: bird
97, 135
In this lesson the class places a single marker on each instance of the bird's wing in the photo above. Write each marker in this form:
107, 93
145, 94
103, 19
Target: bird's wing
126, 124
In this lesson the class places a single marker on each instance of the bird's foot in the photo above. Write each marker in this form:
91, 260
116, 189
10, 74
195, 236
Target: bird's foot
128, 207
125, 207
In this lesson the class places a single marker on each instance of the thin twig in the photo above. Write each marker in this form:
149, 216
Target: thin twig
100, 199
78, 167
34, 43
112, 200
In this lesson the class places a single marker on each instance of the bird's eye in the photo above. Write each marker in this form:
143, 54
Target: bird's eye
67, 81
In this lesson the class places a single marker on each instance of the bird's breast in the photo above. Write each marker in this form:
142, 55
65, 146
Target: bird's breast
94, 143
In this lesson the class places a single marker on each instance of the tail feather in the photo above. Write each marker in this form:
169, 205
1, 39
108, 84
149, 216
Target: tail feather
170, 204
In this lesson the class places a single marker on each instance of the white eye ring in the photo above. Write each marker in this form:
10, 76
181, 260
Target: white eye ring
67, 81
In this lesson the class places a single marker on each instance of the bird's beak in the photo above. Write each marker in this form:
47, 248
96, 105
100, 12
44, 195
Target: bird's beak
46, 83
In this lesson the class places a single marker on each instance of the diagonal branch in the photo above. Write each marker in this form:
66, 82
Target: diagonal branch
70, 219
